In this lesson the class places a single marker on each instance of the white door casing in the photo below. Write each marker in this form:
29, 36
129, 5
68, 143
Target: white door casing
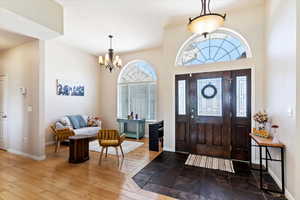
3, 112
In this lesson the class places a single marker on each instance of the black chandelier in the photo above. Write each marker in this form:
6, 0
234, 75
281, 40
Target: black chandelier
207, 22
110, 60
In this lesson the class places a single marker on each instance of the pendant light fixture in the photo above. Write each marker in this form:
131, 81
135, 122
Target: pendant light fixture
110, 61
207, 22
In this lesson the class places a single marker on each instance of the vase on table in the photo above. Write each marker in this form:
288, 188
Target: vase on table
275, 134
261, 130
261, 126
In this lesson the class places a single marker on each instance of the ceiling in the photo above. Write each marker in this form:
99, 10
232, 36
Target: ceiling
9, 40
136, 24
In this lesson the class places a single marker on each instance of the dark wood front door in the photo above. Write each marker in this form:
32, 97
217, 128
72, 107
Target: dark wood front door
213, 113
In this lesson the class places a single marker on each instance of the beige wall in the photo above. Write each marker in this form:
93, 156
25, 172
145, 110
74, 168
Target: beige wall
281, 82
36, 66
163, 60
108, 82
46, 13
297, 175
21, 65
67, 63
243, 21
108, 90
273, 73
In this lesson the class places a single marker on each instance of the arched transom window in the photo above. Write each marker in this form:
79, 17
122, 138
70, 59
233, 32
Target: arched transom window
137, 90
221, 46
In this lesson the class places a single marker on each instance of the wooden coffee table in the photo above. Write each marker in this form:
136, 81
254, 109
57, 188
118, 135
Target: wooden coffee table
79, 148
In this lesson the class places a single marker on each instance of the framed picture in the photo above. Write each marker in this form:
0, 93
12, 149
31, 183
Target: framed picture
69, 88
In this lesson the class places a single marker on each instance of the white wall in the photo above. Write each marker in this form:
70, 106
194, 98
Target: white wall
21, 64
280, 82
163, 60
67, 63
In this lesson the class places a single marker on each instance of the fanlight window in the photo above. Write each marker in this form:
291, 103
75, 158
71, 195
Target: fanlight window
216, 47
137, 91
137, 71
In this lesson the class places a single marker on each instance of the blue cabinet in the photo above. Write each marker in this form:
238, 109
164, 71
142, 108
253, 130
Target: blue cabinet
133, 128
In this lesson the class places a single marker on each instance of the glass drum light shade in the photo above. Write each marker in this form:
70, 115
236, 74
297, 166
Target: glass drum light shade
206, 23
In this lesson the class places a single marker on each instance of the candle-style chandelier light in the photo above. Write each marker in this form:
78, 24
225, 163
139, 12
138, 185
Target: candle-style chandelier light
110, 61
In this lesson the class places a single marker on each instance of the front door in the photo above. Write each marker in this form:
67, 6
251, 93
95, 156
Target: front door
213, 113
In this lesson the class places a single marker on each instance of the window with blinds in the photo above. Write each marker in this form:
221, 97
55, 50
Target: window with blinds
137, 91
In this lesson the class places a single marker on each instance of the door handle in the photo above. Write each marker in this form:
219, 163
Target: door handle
4, 116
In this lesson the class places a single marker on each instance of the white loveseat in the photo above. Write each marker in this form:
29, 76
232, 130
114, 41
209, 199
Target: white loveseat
64, 127
82, 130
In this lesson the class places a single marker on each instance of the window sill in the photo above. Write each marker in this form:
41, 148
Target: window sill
147, 121
151, 121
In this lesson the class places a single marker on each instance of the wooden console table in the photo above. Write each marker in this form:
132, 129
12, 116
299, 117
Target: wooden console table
79, 148
268, 143
139, 124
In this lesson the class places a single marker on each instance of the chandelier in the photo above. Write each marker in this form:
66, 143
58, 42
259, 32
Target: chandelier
207, 22
110, 61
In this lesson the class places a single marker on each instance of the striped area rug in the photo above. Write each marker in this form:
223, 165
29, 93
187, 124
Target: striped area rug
210, 163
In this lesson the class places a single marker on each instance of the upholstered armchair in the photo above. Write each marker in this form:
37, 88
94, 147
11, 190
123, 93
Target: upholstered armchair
61, 135
110, 138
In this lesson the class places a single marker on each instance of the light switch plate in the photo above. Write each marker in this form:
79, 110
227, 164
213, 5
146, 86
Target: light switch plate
290, 112
29, 108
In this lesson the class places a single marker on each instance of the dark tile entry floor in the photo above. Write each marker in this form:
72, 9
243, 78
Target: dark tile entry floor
168, 175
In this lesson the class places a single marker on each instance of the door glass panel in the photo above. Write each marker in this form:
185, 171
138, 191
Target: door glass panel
209, 94
181, 97
241, 96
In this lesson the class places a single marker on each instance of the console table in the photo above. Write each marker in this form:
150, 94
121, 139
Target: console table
268, 143
132, 128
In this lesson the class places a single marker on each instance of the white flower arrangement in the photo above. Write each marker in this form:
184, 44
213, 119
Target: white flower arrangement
261, 117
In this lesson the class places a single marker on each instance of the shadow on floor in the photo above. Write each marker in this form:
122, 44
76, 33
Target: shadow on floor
168, 175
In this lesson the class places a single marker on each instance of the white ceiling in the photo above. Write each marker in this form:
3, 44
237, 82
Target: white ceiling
136, 24
10, 40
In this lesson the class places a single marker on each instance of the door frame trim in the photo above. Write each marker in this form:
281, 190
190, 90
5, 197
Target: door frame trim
5, 136
253, 94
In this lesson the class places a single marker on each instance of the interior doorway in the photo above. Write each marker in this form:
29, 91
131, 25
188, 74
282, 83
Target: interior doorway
3, 113
213, 114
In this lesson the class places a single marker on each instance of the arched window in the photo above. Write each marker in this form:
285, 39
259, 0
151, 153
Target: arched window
221, 46
137, 90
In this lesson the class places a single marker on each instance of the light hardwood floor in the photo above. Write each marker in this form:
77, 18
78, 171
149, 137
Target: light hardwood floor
54, 178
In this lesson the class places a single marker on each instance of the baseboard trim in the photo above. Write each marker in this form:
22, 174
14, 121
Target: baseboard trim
168, 149
13, 151
288, 195
50, 143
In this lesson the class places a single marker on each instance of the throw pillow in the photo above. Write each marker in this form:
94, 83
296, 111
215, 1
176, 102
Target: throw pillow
66, 122
74, 121
59, 125
91, 123
81, 121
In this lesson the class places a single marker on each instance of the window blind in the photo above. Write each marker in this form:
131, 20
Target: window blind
139, 99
